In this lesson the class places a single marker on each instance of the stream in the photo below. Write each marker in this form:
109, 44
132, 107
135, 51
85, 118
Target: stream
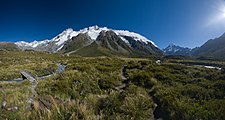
199, 64
61, 68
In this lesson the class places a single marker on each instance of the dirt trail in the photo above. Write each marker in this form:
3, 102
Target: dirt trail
124, 78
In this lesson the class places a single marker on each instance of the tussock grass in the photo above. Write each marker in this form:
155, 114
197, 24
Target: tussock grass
87, 88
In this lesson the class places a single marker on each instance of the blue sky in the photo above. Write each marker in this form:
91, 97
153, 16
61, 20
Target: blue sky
187, 23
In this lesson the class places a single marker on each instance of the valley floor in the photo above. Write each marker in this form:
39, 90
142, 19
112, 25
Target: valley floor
110, 88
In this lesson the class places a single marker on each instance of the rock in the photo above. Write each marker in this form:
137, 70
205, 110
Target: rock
27, 60
3, 104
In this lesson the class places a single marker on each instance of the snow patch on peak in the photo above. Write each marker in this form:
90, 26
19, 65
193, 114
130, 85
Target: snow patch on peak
93, 31
93, 27
31, 44
126, 41
64, 36
69, 30
136, 36
172, 45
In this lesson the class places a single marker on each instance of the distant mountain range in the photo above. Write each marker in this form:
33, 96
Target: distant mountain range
212, 49
173, 49
95, 41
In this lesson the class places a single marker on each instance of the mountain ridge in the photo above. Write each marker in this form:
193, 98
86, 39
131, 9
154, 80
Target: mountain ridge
213, 48
173, 49
118, 41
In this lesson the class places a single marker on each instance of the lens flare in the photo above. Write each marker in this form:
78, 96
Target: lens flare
219, 14
222, 9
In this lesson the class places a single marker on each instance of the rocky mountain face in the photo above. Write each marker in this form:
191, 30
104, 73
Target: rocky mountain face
214, 48
146, 48
95, 41
111, 41
76, 43
177, 50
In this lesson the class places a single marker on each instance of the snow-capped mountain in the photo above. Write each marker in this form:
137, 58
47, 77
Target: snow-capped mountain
173, 49
57, 43
30, 45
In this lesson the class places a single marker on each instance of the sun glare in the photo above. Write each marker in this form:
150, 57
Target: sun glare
219, 15
222, 9
223, 13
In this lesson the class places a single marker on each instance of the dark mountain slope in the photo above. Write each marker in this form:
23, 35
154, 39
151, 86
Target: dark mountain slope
214, 48
78, 42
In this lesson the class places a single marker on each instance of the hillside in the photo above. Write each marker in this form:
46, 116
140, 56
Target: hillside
8, 46
214, 48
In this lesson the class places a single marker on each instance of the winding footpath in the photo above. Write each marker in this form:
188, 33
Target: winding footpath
125, 81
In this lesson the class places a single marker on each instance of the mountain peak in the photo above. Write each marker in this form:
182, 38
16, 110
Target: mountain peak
171, 45
69, 30
93, 27
173, 49
93, 32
